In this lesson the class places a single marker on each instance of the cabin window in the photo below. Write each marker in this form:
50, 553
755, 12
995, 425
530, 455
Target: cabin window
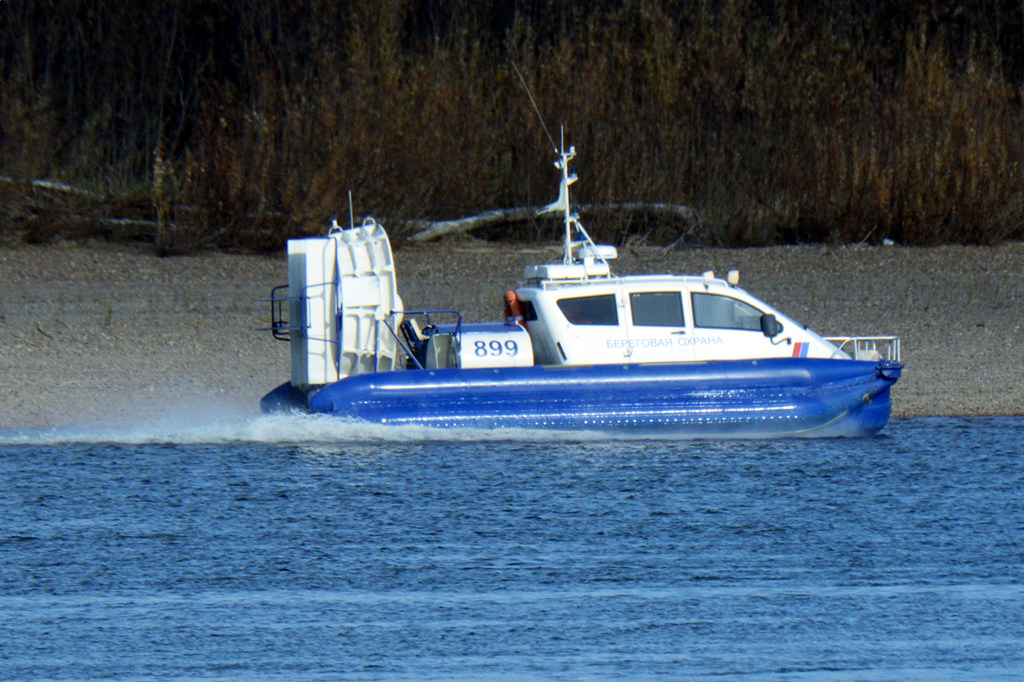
657, 309
590, 309
724, 312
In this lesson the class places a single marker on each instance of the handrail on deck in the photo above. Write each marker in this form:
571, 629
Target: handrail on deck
426, 313
887, 347
280, 327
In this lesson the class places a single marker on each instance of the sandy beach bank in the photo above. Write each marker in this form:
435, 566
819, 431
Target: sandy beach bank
113, 335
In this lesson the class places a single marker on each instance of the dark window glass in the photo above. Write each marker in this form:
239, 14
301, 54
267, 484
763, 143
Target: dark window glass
657, 308
590, 309
529, 312
724, 312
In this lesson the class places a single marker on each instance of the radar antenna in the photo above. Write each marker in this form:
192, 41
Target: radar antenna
575, 234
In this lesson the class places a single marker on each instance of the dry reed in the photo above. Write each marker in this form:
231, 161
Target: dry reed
778, 126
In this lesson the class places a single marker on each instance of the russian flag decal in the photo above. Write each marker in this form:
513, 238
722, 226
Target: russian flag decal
800, 349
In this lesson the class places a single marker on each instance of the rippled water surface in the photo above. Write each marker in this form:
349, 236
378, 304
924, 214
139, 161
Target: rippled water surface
297, 548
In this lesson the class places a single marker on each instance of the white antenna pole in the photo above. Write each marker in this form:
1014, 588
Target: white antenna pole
564, 157
567, 256
351, 215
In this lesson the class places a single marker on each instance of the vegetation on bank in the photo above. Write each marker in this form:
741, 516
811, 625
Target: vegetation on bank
237, 124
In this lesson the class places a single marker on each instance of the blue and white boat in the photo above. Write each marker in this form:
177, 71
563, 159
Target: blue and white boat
580, 349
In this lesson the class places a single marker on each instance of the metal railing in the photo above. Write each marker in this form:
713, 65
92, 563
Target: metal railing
414, 342
868, 347
280, 325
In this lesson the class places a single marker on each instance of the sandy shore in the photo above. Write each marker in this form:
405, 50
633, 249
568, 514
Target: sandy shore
99, 334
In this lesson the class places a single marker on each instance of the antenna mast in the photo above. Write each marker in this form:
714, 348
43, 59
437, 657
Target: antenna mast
562, 204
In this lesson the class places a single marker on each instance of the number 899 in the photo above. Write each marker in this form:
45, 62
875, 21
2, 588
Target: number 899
495, 347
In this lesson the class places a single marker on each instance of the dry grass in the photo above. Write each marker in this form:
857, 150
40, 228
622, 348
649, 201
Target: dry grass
776, 126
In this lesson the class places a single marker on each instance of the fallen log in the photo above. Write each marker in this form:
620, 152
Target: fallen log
432, 229
52, 186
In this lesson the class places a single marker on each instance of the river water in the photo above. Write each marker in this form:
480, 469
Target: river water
305, 548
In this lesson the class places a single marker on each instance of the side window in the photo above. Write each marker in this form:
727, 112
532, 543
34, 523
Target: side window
590, 309
657, 309
724, 312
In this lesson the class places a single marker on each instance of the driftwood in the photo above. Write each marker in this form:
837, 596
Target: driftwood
427, 229
46, 209
135, 221
53, 186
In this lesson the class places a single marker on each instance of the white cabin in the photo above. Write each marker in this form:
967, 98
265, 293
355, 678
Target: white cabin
658, 319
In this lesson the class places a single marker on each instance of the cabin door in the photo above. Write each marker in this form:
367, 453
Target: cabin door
727, 328
655, 327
